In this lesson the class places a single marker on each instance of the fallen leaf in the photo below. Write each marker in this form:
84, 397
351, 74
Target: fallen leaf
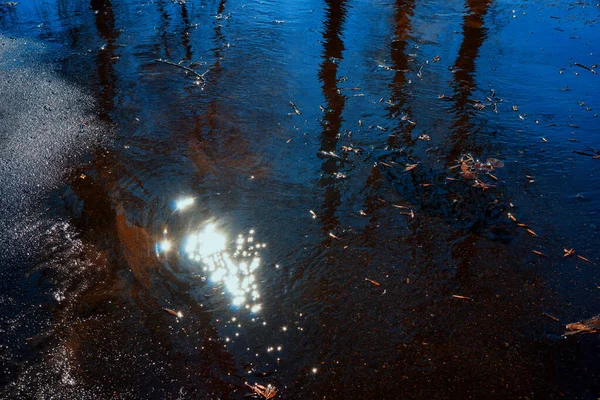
532, 232
373, 282
456, 296
568, 253
551, 317
178, 314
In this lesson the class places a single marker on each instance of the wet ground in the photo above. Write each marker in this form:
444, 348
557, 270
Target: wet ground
341, 199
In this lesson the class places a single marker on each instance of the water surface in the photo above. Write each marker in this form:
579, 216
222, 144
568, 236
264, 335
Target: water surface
200, 194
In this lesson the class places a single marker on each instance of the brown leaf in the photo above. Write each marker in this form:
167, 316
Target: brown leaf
178, 314
568, 253
456, 296
550, 316
532, 232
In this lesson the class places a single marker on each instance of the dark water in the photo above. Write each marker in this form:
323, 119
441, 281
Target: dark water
333, 248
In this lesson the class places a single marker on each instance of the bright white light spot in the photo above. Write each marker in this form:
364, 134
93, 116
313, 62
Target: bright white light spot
234, 267
164, 246
184, 203
314, 370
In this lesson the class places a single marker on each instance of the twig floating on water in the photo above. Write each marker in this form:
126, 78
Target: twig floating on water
539, 253
585, 259
188, 69
298, 112
585, 154
586, 67
551, 317
373, 282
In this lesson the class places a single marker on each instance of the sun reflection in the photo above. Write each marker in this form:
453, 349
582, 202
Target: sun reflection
184, 203
163, 246
208, 247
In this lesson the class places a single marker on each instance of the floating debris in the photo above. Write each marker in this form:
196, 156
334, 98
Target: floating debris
298, 112
595, 155
267, 392
314, 215
585, 259
349, 149
373, 282
539, 253
329, 154
532, 233
333, 236
586, 67
591, 325
456, 296
568, 253
177, 314
478, 105
551, 317
471, 167
410, 167
200, 76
